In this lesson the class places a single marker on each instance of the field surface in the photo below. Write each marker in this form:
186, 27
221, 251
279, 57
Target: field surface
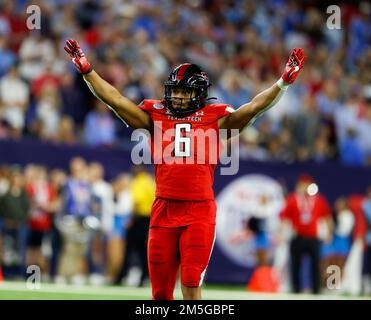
47, 291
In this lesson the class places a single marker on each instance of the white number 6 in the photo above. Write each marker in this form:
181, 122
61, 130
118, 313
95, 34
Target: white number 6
182, 144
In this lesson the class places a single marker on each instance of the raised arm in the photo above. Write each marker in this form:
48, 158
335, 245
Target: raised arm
247, 113
123, 107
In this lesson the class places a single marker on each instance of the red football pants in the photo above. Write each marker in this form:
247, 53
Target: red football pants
189, 247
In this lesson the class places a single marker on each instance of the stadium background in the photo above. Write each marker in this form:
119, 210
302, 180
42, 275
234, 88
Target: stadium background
322, 125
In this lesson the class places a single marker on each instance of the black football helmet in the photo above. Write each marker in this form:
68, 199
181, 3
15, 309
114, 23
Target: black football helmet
191, 78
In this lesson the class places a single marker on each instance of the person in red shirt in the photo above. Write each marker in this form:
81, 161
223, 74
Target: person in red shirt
304, 209
182, 223
42, 197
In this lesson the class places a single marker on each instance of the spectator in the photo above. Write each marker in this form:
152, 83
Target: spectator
57, 181
103, 197
34, 53
47, 78
116, 249
337, 251
14, 207
281, 148
77, 198
249, 148
143, 193
366, 206
4, 180
66, 131
256, 228
100, 127
48, 112
343, 232
350, 151
306, 127
4, 185
77, 194
364, 130
322, 150
41, 196
14, 99
232, 88
4, 129
5, 28
304, 210
7, 57
72, 101
359, 31
328, 100
347, 117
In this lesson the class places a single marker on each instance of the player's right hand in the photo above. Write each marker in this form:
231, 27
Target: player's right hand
77, 56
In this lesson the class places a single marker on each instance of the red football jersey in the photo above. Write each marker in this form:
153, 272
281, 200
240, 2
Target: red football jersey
185, 151
38, 219
305, 213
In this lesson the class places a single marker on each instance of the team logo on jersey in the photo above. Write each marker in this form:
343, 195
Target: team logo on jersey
200, 113
158, 106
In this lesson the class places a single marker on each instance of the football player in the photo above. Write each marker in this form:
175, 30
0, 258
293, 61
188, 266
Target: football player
182, 225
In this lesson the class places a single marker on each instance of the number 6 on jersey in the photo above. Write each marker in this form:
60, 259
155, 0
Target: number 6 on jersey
182, 144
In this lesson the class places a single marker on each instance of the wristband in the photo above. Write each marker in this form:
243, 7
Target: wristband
282, 85
89, 70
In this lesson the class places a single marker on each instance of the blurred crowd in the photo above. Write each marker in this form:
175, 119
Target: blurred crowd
76, 226
243, 45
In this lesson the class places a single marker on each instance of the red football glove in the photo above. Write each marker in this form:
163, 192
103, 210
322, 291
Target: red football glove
77, 56
293, 66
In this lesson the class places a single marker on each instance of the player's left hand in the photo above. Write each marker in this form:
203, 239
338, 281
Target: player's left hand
293, 65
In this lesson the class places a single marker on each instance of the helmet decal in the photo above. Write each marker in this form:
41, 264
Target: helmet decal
182, 70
